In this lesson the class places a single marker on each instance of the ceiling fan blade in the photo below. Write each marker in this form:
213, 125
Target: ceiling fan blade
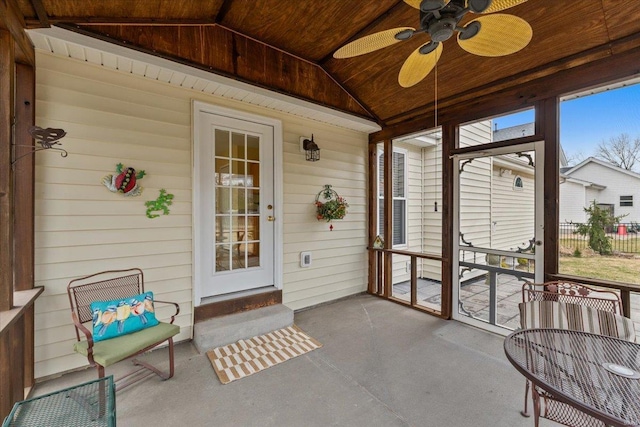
371, 42
498, 5
418, 65
430, 5
498, 35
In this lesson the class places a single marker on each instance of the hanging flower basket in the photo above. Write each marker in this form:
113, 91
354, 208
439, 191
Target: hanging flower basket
329, 205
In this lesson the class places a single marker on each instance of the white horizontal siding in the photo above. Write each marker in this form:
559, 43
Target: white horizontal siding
81, 227
572, 202
617, 184
512, 211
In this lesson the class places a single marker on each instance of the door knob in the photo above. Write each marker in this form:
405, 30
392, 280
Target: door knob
271, 218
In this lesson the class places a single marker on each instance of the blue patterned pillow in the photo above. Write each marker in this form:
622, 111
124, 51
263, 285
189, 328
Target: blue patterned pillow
122, 316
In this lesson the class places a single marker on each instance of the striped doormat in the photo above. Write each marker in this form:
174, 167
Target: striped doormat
246, 357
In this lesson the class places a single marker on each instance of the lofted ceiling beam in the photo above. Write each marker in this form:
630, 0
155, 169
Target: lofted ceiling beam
41, 12
364, 31
11, 19
224, 9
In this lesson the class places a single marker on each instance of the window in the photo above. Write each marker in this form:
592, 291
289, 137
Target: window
626, 200
399, 173
518, 184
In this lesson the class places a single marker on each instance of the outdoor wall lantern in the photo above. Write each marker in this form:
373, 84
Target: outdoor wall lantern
311, 149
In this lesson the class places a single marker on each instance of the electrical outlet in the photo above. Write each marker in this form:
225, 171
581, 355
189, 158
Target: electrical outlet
305, 259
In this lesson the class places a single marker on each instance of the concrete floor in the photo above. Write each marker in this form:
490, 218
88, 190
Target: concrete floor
381, 364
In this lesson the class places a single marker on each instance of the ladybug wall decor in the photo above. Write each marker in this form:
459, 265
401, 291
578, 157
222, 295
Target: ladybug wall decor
125, 181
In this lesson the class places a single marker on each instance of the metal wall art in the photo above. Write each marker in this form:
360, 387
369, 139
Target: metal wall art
161, 204
125, 181
47, 138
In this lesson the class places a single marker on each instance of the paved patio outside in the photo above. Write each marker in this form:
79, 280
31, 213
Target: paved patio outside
474, 297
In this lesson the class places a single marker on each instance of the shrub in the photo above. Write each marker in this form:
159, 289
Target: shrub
599, 219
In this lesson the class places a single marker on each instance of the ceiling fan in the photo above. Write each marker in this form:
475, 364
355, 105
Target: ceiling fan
488, 35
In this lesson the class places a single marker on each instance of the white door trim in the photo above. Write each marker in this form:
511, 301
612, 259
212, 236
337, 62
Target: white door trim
199, 107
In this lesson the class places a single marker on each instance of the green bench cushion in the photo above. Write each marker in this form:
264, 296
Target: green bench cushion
113, 350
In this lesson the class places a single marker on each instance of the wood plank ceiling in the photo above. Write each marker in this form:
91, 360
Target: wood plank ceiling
287, 45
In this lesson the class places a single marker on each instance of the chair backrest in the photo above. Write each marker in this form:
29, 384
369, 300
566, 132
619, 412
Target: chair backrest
103, 286
572, 293
575, 317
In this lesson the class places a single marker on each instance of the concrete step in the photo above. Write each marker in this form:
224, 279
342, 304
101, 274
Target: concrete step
225, 330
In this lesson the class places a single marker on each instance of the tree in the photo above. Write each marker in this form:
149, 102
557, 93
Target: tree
599, 219
620, 151
575, 158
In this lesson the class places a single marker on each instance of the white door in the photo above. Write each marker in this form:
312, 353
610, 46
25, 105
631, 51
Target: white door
234, 165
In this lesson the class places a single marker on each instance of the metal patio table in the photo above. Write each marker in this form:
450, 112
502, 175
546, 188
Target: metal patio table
91, 404
596, 374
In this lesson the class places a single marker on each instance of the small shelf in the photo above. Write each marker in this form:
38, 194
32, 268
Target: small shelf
22, 300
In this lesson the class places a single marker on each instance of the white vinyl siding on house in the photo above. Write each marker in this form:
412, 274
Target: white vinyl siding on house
512, 210
573, 197
475, 187
617, 182
113, 117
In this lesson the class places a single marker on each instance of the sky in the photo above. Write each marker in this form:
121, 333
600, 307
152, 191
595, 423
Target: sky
588, 120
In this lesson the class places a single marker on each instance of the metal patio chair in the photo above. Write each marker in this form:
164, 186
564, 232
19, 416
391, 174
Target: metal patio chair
111, 285
573, 306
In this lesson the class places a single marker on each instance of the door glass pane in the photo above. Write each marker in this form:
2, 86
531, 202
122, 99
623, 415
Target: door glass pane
222, 258
253, 148
222, 229
237, 145
223, 202
238, 256
222, 175
237, 199
253, 228
238, 179
253, 174
237, 228
253, 201
222, 143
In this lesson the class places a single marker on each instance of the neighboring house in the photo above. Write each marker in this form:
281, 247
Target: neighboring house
595, 180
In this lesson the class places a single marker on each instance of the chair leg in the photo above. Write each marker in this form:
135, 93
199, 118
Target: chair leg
170, 357
100, 371
536, 406
525, 412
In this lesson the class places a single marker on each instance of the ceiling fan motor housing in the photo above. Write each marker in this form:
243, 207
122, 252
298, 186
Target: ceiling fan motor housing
442, 29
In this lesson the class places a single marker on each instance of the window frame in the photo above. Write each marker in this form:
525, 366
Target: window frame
517, 187
404, 199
